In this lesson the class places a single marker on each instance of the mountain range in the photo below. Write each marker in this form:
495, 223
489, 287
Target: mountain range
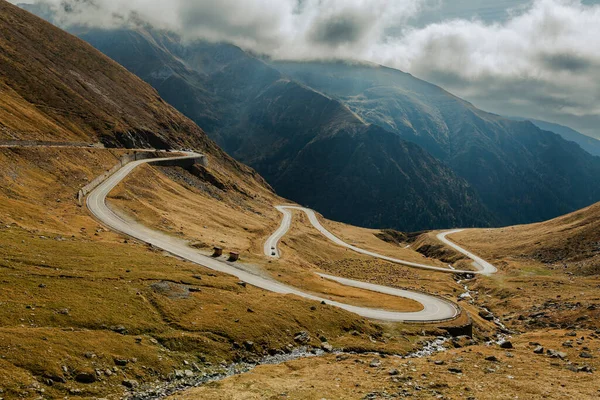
359, 142
311, 148
587, 143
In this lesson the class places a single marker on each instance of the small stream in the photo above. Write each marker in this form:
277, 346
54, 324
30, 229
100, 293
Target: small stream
436, 345
503, 332
164, 389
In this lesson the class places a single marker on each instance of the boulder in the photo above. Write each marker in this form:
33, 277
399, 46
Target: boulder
486, 315
302, 337
130, 383
538, 350
326, 347
375, 363
85, 377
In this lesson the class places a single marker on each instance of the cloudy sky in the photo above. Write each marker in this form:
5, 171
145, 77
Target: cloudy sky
531, 58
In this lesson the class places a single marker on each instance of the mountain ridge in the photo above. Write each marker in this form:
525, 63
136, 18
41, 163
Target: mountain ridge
512, 165
270, 122
587, 143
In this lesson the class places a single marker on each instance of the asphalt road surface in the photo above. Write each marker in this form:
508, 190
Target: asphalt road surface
271, 248
434, 308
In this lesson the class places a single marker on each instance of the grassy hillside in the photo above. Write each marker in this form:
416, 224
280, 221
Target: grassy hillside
56, 87
311, 148
86, 312
570, 242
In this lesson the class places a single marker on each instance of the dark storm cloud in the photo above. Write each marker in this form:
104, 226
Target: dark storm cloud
540, 57
567, 62
340, 29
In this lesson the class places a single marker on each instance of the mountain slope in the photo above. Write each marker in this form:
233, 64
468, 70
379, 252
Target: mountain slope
311, 148
522, 173
587, 143
567, 241
56, 87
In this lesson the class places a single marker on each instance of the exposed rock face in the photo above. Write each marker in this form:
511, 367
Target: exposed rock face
309, 147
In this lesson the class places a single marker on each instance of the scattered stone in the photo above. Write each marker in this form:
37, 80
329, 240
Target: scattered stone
327, 347
571, 333
313, 308
393, 372
119, 329
585, 368
250, 310
506, 345
242, 284
572, 368
89, 355
42, 285
538, 350
375, 363
179, 374
568, 343
55, 378
249, 345
492, 359
439, 362
302, 337
121, 362
486, 315
63, 311
556, 354
455, 370
85, 377
130, 383
585, 354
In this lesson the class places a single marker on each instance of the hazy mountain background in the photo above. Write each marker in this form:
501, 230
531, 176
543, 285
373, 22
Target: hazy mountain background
587, 143
348, 138
310, 148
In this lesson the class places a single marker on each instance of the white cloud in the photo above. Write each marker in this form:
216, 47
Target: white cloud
539, 61
543, 61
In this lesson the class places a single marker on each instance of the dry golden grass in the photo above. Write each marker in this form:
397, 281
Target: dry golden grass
242, 224
570, 241
523, 375
549, 267
64, 289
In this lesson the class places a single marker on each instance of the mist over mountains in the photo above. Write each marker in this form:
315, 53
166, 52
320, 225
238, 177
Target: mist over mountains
359, 142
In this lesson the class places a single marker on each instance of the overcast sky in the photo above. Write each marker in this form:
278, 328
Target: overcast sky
537, 59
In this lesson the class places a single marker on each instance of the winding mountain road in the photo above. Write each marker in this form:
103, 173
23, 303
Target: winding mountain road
271, 245
434, 308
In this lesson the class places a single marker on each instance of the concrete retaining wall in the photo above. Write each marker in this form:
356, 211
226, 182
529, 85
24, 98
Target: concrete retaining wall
183, 163
126, 159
